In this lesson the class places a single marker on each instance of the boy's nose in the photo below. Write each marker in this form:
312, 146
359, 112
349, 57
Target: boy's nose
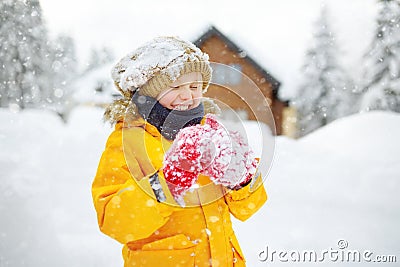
185, 93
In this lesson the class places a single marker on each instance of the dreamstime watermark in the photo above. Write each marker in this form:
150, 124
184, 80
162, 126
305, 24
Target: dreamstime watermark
339, 254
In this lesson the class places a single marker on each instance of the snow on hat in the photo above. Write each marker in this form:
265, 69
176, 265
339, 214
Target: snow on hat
158, 63
152, 68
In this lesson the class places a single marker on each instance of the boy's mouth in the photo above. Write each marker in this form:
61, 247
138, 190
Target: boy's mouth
181, 107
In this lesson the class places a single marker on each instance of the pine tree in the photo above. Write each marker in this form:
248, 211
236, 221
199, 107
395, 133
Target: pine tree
381, 87
24, 49
99, 57
64, 70
326, 91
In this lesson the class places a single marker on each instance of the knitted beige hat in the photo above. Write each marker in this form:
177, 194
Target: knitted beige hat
158, 63
152, 68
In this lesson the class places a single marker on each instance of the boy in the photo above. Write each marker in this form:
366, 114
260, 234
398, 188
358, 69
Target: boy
162, 84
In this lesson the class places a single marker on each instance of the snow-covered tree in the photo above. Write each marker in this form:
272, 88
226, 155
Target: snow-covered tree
381, 86
326, 91
99, 57
24, 54
64, 70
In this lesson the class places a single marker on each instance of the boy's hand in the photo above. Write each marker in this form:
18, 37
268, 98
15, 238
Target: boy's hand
212, 150
182, 162
233, 164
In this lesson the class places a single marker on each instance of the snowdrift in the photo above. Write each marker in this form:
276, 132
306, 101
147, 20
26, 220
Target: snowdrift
339, 182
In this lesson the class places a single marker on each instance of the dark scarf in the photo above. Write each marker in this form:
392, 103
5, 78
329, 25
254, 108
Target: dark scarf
167, 121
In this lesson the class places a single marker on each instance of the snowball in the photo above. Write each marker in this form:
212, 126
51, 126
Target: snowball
209, 149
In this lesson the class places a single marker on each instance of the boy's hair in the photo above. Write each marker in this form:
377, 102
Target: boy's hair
152, 68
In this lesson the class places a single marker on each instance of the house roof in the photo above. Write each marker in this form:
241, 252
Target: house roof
213, 31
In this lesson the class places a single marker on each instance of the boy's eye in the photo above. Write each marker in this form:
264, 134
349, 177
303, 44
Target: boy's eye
194, 86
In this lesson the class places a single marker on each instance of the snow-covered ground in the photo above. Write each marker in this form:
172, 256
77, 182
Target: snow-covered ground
340, 182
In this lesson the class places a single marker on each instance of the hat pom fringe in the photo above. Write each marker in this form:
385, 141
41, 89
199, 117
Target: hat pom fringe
120, 110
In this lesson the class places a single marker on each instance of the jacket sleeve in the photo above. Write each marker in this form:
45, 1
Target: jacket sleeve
246, 201
124, 211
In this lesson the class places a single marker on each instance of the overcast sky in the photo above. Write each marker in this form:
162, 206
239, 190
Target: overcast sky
274, 33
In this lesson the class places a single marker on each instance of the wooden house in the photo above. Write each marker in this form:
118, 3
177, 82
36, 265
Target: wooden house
223, 50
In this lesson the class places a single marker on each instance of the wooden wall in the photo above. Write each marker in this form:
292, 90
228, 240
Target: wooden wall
219, 52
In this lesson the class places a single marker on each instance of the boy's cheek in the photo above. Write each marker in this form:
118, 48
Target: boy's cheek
166, 101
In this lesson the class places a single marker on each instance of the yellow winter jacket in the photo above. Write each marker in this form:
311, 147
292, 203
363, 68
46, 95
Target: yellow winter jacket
158, 233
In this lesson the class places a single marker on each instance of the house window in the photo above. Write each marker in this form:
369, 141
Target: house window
226, 75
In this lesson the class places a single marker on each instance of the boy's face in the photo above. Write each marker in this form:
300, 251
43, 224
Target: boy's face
183, 94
